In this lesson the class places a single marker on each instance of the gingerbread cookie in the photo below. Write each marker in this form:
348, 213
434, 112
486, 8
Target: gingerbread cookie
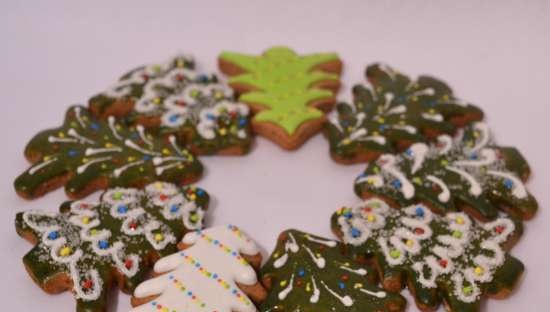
449, 258
175, 100
87, 247
289, 93
393, 113
86, 154
213, 272
467, 172
308, 273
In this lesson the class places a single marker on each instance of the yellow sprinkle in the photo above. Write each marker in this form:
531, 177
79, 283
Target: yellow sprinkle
357, 285
192, 197
223, 131
93, 232
375, 133
283, 283
84, 160
346, 141
108, 145
431, 111
61, 134
459, 220
65, 251
478, 270
371, 218
131, 158
159, 237
86, 220
165, 151
46, 158
410, 243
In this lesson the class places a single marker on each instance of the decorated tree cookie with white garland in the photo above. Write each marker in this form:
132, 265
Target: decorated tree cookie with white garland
308, 273
450, 258
465, 172
393, 112
86, 154
173, 98
214, 271
89, 246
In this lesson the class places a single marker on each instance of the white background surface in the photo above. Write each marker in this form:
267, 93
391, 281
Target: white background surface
494, 54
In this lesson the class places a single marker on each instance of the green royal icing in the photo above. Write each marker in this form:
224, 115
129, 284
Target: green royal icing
395, 112
308, 273
172, 99
92, 243
450, 258
282, 83
468, 171
86, 150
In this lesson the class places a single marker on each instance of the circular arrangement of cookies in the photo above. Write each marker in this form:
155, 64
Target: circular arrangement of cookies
441, 203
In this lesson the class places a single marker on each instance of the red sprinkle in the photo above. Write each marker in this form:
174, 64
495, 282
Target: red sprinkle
499, 229
419, 231
128, 263
87, 284
443, 263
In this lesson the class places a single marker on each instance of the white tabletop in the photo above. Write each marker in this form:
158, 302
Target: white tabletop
493, 54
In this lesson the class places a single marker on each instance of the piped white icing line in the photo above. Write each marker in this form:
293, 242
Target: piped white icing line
204, 254
445, 193
41, 165
345, 300
518, 188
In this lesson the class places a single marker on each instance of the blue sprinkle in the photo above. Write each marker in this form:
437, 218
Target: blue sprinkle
103, 244
301, 273
396, 184
348, 215
199, 192
202, 78
382, 128
94, 126
171, 276
242, 122
72, 153
409, 152
211, 116
154, 303
341, 285
146, 157
189, 293
174, 208
173, 118
473, 156
197, 264
216, 242
508, 184
419, 212
122, 209
215, 276
355, 232
234, 291
53, 235
234, 253
135, 135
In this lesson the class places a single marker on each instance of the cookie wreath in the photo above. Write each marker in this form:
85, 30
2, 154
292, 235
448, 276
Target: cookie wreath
305, 272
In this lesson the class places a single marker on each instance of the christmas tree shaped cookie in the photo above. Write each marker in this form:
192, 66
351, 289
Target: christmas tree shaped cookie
466, 172
449, 258
173, 99
213, 272
393, 113
88, 246
86, 154
308, 273
289, 93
